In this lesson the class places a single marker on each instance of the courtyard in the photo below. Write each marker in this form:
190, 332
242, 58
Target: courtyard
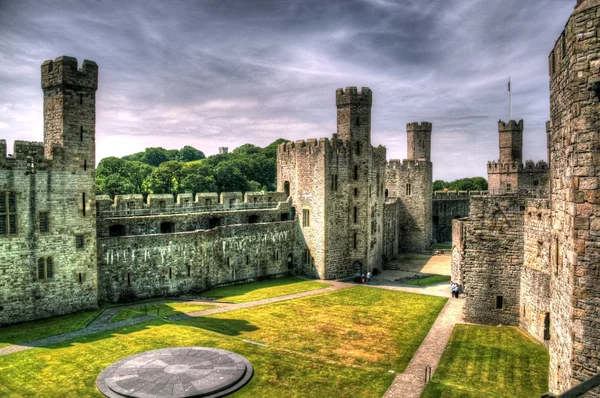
304, 338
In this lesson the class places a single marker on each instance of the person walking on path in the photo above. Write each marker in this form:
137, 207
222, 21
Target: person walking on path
454, 289
362, 278
369, 275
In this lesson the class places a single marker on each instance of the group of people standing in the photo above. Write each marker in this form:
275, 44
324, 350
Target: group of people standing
366, 279
454, 289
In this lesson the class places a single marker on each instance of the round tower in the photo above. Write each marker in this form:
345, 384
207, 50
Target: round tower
511, 141
419, 140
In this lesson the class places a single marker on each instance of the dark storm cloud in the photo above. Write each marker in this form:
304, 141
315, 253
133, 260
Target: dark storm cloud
223, 73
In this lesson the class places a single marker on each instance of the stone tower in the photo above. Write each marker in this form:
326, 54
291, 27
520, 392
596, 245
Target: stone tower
337, 188
70, 110
419, 140
511, 141
50, 260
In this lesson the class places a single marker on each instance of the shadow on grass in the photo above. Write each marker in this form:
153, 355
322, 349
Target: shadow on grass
229, 327
241, 289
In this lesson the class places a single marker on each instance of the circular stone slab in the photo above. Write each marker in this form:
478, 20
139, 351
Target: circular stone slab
176, 372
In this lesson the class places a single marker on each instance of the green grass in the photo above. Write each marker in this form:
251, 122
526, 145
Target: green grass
441, 246
488, 361
162, 309
429, 280
34, 330
339, 344
263, 289
357, 326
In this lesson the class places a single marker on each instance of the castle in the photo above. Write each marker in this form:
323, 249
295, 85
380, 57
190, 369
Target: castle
527, 254
529, 257
341, 210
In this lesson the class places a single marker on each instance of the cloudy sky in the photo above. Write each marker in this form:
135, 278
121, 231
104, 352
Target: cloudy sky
225, 73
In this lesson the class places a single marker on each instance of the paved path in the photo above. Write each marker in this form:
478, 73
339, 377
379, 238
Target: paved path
411, 383
102, 322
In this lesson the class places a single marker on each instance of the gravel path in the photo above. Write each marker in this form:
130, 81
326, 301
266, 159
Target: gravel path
411, 383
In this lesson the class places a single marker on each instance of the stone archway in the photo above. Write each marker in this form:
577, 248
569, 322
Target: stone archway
290, 262
357, 268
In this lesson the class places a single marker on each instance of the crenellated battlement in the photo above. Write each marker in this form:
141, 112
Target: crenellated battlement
514, 167
512, 125
406, 164
25, 154
63, 71
539, 167
313, 145
456, 195
352, 96
156, 204
419, 127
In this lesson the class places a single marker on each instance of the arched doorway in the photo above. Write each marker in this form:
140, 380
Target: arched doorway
286, 189
290, 261
358, 268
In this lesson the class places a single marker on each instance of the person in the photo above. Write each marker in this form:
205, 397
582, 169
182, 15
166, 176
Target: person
362, 278
369, 275
453, 289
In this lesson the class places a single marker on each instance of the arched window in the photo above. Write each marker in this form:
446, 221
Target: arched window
286, 188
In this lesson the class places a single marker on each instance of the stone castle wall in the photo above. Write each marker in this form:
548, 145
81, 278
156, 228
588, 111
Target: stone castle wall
143, 266
410, 181
535, 278
574, 66
48, 267
488, 259
447, 206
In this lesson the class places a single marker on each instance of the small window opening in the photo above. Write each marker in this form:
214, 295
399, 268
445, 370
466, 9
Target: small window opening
355, 240
167, 227
358, 148
228, 262
84, 164
285, 216
80, 99
355, 215
499, 302
83, 203
80, 278
214, 222
355, 172
355, 192
286, 188
334, 182
306, 218
80, 133
253, 219
408, 189
79, 242
357, 121
170, 273
386, 193
128, 279
44, 222
247, 259
547, 326
116, 230
189, 270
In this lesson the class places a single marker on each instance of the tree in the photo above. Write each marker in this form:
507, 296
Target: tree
166, 178
198, 177
439, 185
229, 178
188, 154
137, 174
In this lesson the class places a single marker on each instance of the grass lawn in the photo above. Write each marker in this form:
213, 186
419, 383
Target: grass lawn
429, 280
441, 246
263, 289
356, 326
339, 344
34, 330
162, 309
489, 361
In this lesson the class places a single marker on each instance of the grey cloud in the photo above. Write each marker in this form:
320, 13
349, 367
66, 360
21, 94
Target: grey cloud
214, 73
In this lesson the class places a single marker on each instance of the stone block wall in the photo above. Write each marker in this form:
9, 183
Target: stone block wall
447, 206
574, 134
411, 182
489, 259
144, 266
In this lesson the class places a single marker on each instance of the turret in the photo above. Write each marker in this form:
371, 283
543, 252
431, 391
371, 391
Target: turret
70, 111
419, 140
354, 115
511, 141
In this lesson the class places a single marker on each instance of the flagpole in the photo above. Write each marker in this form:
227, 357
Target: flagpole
509, 101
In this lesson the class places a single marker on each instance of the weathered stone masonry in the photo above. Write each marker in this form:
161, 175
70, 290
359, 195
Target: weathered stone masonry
48, 264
